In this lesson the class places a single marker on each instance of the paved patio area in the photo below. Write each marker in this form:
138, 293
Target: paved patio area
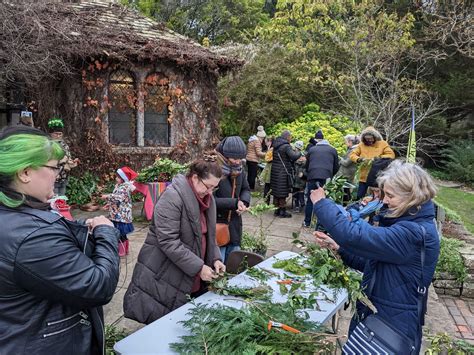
447, 315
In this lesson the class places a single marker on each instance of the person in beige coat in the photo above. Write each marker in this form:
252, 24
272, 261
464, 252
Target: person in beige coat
180, 251
254, 154
371, 146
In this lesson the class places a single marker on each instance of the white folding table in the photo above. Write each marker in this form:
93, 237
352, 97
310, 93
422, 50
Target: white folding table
156, 337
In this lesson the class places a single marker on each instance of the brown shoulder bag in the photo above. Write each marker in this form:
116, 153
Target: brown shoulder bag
222, 229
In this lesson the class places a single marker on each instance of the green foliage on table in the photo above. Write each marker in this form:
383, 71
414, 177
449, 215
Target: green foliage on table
334, 127
221, 286
328, 269
112, 336
225, 330
450, 259
292, 265
80, 189
162, 170
442, 343
259, 274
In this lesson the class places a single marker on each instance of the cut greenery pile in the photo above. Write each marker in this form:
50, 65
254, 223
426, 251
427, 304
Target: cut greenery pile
226, 330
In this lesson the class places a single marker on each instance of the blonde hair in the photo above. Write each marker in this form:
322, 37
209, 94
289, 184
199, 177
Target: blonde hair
411, 182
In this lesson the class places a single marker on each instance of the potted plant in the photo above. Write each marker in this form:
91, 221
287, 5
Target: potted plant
257, 243
162, 170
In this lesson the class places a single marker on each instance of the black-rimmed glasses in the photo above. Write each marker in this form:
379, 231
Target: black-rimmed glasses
209, 188
57, 169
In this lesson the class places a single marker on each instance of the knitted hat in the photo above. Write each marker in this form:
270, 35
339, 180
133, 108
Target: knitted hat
299, 145
285, 134
232, 147
319, 135
260, 132
55, 124
127, 174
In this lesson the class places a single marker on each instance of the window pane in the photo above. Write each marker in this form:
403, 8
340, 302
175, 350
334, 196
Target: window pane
156, 110
122, 98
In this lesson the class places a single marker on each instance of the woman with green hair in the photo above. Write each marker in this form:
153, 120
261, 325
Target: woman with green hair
54, 274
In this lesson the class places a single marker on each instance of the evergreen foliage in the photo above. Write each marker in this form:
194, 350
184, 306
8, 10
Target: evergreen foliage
227, 330
459, 161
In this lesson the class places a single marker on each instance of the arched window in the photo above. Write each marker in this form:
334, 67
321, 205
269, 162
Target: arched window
122, 97
157, 99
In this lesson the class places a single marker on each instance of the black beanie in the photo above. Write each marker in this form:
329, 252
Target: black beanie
319, 135
232, 147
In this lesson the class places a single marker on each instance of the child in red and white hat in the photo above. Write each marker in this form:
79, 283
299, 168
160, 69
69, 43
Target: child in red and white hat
119, 204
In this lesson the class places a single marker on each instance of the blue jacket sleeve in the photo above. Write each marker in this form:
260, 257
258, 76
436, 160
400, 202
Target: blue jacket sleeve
351, 260
394, 244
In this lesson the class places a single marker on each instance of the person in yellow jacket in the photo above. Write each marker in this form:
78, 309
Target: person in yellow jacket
371, 146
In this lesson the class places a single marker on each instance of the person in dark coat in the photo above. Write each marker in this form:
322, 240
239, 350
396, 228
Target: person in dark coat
322, 163
393, 248
282, 175
231, 151
55, 274
180, 250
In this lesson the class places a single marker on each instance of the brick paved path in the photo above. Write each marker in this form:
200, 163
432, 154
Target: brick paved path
462, 311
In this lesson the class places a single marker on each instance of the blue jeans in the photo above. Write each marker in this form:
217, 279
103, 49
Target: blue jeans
308, 212
226, 250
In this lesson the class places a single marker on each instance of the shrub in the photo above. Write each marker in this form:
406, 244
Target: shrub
81, 189
450, 259
303, 128
459, 161
112, 336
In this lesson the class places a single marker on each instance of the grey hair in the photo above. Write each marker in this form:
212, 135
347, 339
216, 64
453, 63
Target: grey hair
352, 138
409, 181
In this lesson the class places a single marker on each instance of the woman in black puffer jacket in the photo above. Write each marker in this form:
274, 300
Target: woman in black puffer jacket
281, 180
54, 276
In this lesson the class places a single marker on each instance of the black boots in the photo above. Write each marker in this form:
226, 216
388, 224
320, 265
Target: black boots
284, 213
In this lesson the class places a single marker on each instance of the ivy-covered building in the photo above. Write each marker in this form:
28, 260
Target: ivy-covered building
128, 88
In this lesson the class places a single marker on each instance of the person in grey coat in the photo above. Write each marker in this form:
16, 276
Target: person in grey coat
347, 167
231, 151
180, 250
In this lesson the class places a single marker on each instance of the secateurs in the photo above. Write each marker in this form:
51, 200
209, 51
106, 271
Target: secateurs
272, 324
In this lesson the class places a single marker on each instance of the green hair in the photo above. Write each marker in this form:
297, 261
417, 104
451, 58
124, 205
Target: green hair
21, 151
55, 122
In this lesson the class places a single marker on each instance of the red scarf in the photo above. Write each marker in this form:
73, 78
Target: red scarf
204, 204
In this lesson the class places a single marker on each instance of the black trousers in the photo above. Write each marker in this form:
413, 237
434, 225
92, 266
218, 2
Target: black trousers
252, 167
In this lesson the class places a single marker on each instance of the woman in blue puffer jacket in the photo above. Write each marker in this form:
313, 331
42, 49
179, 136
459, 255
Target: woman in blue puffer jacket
393, 248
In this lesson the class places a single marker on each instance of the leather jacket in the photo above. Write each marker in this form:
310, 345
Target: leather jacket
54, 278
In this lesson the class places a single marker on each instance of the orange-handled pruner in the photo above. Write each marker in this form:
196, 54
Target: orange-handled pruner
285, 282
272, 324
